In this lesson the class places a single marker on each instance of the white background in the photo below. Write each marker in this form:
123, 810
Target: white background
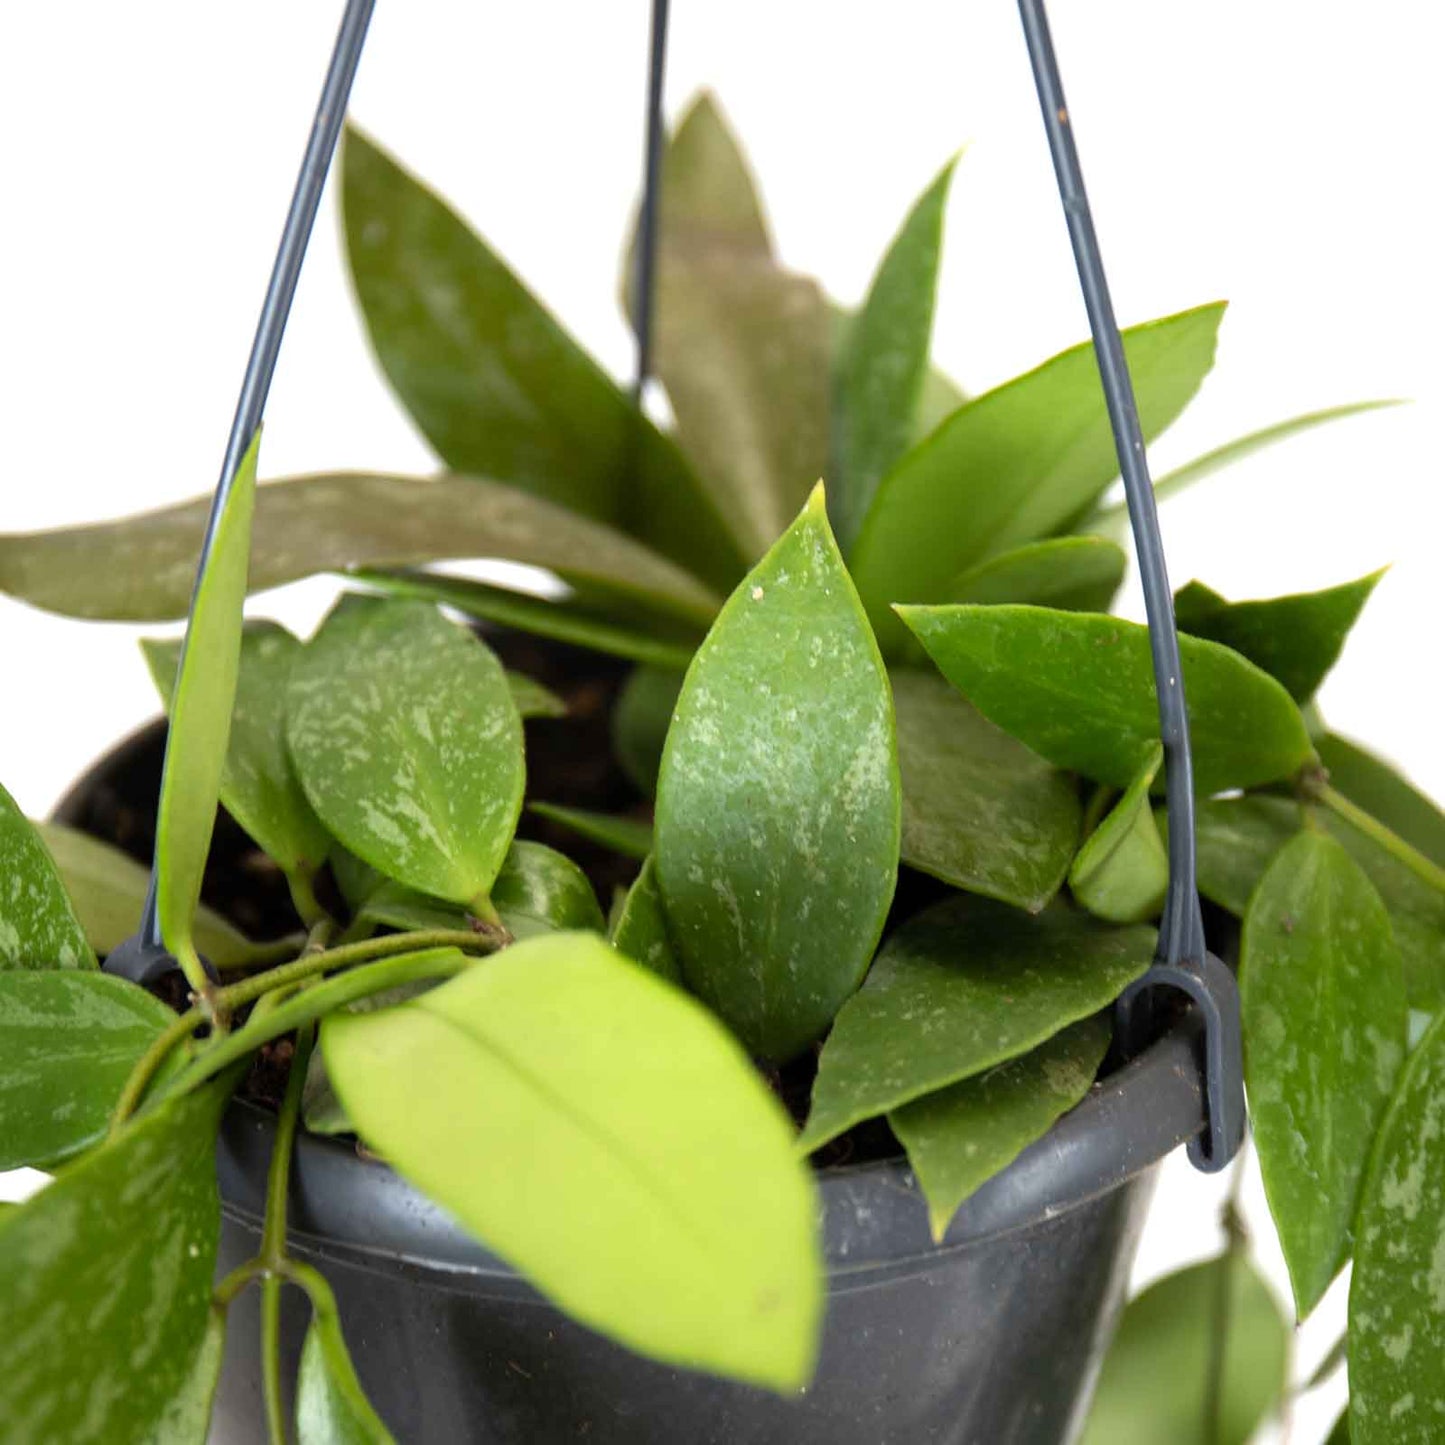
1282, 155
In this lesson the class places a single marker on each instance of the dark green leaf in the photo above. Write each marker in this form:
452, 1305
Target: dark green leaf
1078, 688
629, 836
1340, 1435
778, 800
38, 925
640, 720
641, 929
1122, 870
965, 1134
1324, 1019
331, 1406
599, 1076
540, 889
1081, 574
187, 1418
1236, 838
980, 811
1379, 789
960, 988
532, 699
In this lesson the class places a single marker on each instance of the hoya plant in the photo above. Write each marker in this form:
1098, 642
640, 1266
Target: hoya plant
892, 849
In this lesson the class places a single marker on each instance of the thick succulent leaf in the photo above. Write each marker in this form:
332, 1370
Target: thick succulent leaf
964, 986
1078, 688
532, 700
331, 1406
140, 569
1122, 871
540, 889
640, 930
1296, 639
778, 799
408, 744
980, 811
1380, 790
1081, 574
38, 924
1152, 1388
496, 385
697, 1245
1016, 464
629, 836
880, 371
1324, 1024
640, 720
1397, 1292
187, 1417
965, 1134
105, 1282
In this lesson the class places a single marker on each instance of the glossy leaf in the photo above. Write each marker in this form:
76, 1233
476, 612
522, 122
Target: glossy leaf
963, 1135
540, 889
532, 700
697, 1244
640, 720
1078, 688
1122, 871
629, 836
187, 1418
641, 928
105, 1282
1324, 1022
1397, 1292
1296, 639
980, 811
962, 987
880, 372
331, 1406
38, 924
496, 385
1152, 1388
408, 744
778, 799
1081, 574
1379, 789
1015, 464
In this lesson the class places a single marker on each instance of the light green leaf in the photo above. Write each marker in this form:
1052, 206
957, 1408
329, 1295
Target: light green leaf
38, 925
697, 1245
105, 1282
964, 986
496, 385
629, 836
778, 801
331, 1406
1379, 789
1122, 871
1080, 574
641, 928
1324, 1019
532, 699
880, 372
1152, 1388
409, 747
965, 1134
1397, 1293
1015, 464
1078, 688
640, 720
200, 714
68, 1041
980, 811
187, 1418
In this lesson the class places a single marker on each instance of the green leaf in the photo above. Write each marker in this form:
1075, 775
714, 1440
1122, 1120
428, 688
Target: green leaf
496, 385
640, 720
629, 836
1014, 465
68, 1041
1397, 1293
1296, 639
141, 569
965, 1134
697, 1245
1375, 786
980, 811
641, 928
1122, 871
200, 714
778, 801
1078, 688
38, 924
964, 986
541, 889
105, 1282
331, 1406
1152, 1388
1340, 1435
1324, 1018
1080, 574
532, 700
258, 783
880, 372
408, 744
187, 1418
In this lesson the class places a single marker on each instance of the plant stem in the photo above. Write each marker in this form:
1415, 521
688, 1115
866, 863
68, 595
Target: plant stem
1422, 867
1235, 1237
149, 1062
303, 897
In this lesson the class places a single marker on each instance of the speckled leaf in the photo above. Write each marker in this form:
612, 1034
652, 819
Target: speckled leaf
640, 930
496, 385
38, 926
408, 744
68, 1041
640, 720
105, 1282
1296, 639
629, 836
980, 811
1081, 574
778, 800
1122, 870
879, 373
331, 1406
1016, 464
1152, 1388
1378, 788
532, 699
958, 989
962, 1136
1397, 1293
601, 1080
187, 1418
1078, 688
1324, 1027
